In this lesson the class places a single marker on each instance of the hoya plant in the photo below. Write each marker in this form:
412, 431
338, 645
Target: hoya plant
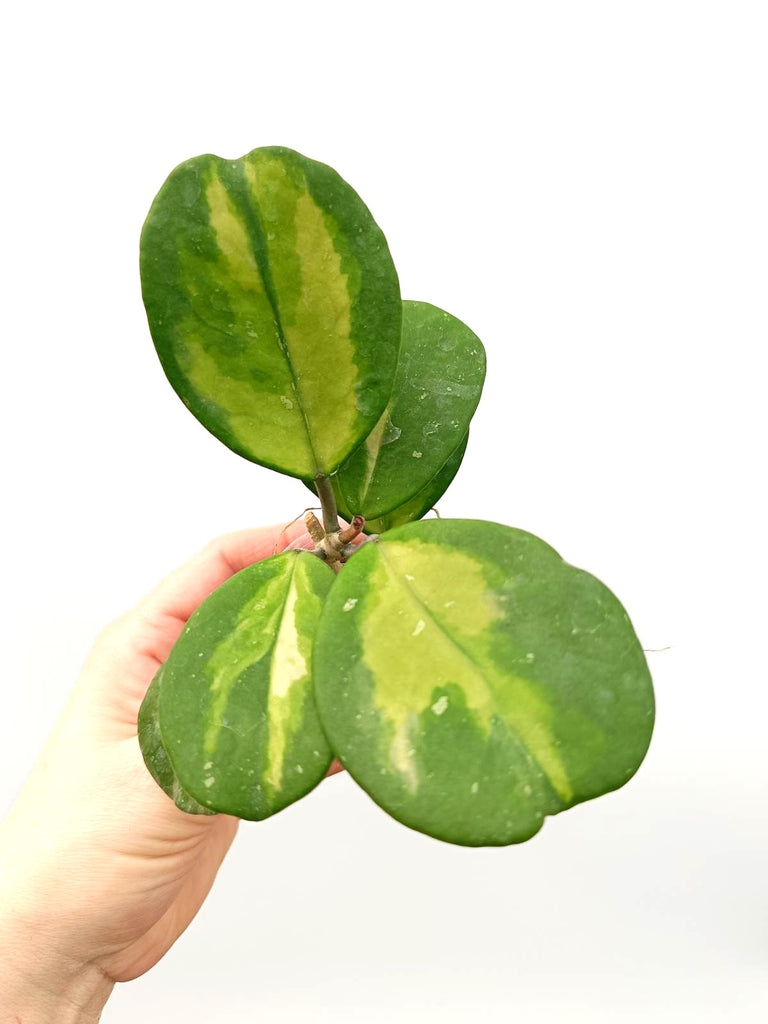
469, 680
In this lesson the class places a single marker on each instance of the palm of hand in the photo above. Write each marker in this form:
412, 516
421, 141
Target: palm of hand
122, 848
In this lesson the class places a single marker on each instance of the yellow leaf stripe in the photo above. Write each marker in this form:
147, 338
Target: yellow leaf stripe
252, 284
432, 642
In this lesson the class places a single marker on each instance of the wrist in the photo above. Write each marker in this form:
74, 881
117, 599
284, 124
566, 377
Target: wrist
39, 986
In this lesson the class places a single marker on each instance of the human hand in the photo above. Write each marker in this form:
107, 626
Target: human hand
99, 871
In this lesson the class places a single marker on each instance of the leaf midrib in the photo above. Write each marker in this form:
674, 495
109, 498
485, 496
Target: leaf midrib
514, 735
252, 216
266, 657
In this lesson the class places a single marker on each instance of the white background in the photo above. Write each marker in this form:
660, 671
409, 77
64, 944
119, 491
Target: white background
585, 185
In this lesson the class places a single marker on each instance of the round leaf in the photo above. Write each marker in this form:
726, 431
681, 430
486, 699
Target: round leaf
473, 682
274, 306
237, 713
439, 378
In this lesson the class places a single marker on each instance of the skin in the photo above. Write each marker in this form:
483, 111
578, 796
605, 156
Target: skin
100, 872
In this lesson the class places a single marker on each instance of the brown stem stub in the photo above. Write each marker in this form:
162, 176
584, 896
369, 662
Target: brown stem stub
314, 527
354, 529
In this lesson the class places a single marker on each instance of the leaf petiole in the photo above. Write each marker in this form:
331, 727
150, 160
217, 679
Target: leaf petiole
324, 489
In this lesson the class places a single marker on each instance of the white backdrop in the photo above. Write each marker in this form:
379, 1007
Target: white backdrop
585, 185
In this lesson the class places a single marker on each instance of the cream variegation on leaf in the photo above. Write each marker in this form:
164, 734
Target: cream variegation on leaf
234, 710
473, 682
469, 679
274, 306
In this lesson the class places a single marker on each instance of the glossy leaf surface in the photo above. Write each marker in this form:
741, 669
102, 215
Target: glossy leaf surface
236, 708
421, 503
155, 755
439, 378
274, 306
473, 682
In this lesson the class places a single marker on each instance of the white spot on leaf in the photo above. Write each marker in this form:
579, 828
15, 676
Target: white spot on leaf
440, 705
349, 604
419, 627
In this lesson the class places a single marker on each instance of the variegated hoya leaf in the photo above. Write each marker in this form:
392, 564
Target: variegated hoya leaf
274, 306
439, 378
237, 715
473, 682
155, 755
421, 503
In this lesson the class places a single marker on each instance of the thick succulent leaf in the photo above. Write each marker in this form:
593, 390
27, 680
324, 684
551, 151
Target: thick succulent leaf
418, 506
423, 501
473, 682
155, 755
236, 708
439, 378
274, 306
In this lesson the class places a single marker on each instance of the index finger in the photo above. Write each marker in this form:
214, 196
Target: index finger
185, 588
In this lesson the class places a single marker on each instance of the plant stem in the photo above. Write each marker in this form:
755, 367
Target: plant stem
324, 489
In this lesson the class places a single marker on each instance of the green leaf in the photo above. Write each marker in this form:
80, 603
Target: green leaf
155, 755
421, 503
237, 713
274, 306
473, 682
418, 505
439, 378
